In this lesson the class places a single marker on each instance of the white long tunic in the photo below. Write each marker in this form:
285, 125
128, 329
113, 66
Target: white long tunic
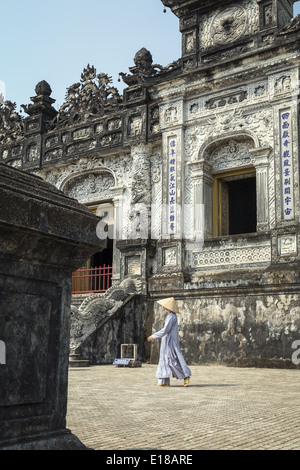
171, 360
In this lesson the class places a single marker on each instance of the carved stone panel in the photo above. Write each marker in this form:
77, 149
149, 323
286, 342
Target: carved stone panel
51, 141
133, 265
169, 256
32, 152
53, 154
26, 359
140, 186
153, 122
223, 101
82, 133
189, 42
284, 84
81, 147
268, 16
287, 245
89, 187
231, 257
229, 24
231, 154
171, 114
111, 139
135, 125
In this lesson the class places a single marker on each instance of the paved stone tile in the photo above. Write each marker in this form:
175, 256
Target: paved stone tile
119, 408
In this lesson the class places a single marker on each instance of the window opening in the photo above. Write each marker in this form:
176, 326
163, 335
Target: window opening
234, 203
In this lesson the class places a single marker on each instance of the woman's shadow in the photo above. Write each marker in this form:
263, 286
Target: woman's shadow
204, 385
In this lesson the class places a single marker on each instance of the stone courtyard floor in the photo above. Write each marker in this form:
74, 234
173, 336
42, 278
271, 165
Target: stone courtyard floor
224, 408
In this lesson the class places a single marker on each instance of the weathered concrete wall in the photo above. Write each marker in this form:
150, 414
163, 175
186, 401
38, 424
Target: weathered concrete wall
127, 325
234, 329
242, 326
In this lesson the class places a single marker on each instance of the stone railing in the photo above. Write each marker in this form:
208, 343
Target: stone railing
230, 255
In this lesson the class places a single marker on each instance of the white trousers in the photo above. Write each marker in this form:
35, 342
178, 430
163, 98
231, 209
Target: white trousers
164, 381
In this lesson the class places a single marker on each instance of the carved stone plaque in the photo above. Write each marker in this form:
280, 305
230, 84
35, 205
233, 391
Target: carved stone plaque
23, 378
170, 256
229, 25
287, 245
133, 265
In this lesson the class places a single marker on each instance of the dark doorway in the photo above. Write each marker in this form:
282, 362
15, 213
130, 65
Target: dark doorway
242, 205
101, 269
105, 257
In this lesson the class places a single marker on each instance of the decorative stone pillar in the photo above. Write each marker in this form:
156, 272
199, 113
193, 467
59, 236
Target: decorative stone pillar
141, 176
41, 113
261, 163
44, 237
132, 239
118, 195
202, 182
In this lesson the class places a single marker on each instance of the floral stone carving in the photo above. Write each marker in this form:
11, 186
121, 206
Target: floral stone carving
11, 125
91, 97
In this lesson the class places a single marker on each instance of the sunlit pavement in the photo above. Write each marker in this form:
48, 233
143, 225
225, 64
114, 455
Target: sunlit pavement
224, 408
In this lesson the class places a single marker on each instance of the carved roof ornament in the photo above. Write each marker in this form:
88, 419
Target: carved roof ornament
172, 3
144, 68
43, 88
42, 102
92, 97
11, 124
194, 3
182, 7
291, 27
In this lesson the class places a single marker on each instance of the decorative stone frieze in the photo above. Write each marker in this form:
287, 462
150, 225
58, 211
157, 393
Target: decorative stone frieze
236, 257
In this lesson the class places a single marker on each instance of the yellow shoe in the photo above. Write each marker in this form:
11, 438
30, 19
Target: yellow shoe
186, 381
163, 385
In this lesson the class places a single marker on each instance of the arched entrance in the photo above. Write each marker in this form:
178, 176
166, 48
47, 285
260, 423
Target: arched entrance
96, 275
93, 189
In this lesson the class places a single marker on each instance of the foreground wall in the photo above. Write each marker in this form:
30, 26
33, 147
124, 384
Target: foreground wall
44, 236
254, 324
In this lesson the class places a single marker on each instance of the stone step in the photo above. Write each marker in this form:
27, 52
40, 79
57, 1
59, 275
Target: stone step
75, 361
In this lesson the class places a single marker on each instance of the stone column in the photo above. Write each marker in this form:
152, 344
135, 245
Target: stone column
44, 237
202, 182
118, 193
141, 187
133, 245
261, 163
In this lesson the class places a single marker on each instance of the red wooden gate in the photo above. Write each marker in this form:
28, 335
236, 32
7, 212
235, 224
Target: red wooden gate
90, 280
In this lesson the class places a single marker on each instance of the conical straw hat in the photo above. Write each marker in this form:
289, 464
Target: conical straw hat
170, 304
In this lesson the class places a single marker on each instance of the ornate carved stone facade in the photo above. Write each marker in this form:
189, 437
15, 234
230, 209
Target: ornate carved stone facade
200, 161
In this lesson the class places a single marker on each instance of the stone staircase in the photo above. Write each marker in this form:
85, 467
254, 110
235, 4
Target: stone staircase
102, 312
